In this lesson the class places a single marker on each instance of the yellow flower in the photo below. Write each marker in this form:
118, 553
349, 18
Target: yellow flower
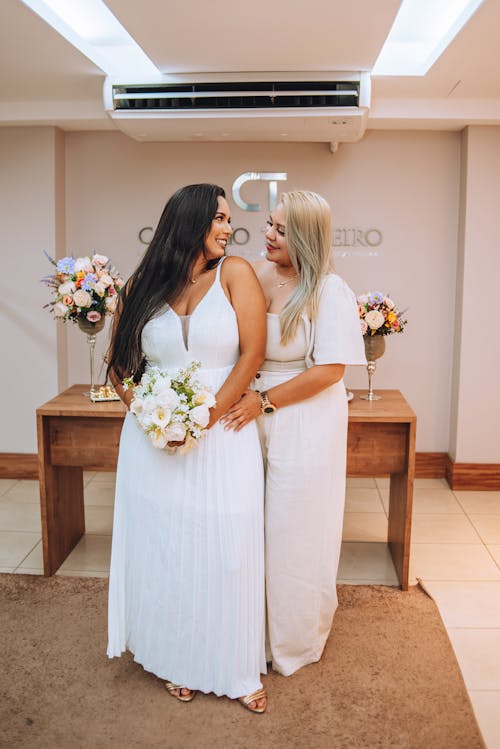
391, 317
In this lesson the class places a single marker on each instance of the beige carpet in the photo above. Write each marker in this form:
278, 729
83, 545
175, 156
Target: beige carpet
388, 679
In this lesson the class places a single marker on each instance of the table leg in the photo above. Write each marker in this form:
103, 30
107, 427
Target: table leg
399, 533
61, 502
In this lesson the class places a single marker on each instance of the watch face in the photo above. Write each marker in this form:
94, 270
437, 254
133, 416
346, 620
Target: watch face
268, 409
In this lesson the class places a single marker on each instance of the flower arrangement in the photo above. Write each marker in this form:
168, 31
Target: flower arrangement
83, 288
171, 407
379, 315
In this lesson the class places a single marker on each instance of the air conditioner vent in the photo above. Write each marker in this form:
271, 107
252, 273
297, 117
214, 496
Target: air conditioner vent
314, 106
234, 95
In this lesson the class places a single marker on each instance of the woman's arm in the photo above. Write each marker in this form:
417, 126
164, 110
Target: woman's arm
298, 388
245, 294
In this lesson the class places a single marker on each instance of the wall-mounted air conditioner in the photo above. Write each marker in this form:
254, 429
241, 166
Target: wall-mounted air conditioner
306, 107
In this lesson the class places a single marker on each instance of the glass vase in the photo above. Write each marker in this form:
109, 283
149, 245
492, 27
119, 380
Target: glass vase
374, 349
91, 329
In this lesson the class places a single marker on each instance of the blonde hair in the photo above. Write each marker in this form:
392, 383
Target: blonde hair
309, 237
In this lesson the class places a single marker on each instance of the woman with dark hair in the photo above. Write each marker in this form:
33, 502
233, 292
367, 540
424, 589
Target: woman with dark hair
313, 332
186, 591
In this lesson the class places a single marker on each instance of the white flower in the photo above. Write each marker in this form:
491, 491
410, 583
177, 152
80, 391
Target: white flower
83, 263
60, 309
161, 416
389, 303
66, 288
363, 299
100, 259
111, 302
175, 432
82, 298
364, 327
204, 397
374, 319
158, 438
99, 288
200, 415
137, 406
106, 280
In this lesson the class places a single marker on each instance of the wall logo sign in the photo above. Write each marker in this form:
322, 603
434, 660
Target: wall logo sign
272, 177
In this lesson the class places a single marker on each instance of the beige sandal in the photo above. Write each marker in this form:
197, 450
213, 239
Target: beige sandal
172, 688
258, 695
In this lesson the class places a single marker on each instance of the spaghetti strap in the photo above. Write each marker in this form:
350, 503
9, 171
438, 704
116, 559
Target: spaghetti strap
219, 266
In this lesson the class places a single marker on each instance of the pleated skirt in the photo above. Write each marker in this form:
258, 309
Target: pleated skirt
304, 447
186, 589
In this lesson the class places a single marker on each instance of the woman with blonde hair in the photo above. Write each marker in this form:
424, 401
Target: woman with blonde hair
300, 402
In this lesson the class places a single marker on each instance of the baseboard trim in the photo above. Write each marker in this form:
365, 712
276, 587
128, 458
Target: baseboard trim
18, 465
467, 476
473, 476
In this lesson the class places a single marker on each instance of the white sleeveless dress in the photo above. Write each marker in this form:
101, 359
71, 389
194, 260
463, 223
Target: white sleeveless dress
186, 588
304, 447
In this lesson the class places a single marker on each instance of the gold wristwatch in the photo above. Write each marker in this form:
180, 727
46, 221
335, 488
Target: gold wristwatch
265, 404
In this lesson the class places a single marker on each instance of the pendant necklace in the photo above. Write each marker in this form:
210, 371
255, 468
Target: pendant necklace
284, 283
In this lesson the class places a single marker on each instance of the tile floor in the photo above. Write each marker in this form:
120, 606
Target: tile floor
455, 552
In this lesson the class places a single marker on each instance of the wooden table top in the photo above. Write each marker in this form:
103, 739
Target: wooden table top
72, 402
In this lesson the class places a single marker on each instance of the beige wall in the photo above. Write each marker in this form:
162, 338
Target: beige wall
28, 211
406, 184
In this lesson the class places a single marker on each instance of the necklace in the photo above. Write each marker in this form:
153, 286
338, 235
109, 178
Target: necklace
284, 283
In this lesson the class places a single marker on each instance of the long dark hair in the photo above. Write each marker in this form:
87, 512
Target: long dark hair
163, 272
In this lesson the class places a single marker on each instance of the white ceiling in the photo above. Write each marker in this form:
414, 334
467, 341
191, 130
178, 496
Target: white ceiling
44, 80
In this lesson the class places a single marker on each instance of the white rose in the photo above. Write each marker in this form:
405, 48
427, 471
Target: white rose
82, 298
374, 319
204, 398
106, 280
200, 415
175, 432
100, 259
159, 438
111, 302
363, 299
60, 309
83, 263
389, 303
364, 327
161, 416
137, 406
99, 288
67, 288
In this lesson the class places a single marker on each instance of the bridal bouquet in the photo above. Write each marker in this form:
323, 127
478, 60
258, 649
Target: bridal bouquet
379, 315
83, 288
171, 406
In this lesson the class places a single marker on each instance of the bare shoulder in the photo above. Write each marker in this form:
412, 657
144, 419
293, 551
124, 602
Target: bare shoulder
235, 267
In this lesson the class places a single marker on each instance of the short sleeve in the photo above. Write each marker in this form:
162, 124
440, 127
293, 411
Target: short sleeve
336, 333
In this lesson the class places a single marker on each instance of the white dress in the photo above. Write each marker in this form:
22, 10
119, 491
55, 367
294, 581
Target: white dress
304, 447
186, 588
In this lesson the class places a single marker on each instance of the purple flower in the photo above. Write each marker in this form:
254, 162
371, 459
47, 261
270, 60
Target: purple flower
66, 265
88, 281
375, 298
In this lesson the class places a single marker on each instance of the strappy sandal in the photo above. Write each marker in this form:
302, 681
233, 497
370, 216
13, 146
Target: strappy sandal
258, 695
171, 689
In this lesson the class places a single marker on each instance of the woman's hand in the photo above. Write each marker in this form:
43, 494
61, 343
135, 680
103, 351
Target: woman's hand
243, 411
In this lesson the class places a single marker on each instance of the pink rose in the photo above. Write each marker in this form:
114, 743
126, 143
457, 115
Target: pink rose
100, 260
93, 316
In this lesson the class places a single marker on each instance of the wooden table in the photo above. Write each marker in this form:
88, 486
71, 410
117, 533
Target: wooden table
75, 434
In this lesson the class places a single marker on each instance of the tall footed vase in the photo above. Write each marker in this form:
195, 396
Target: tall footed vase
374, 348
91, 329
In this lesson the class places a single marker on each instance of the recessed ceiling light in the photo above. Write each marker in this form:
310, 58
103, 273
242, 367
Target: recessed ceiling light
420, 33
90, 26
